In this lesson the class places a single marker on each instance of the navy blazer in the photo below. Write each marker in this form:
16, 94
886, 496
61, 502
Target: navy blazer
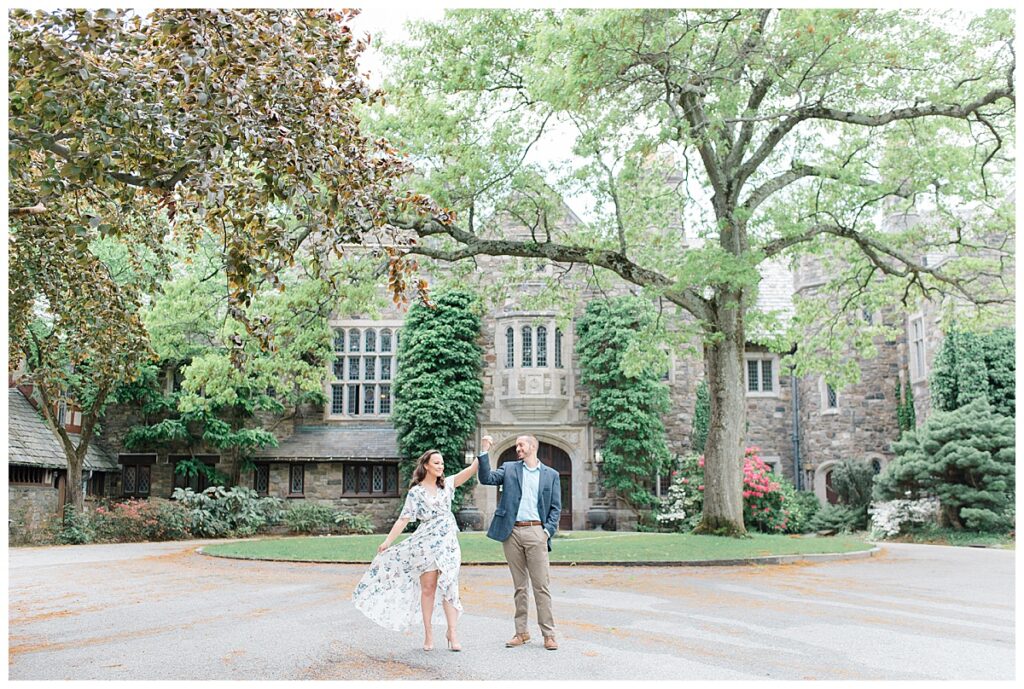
510, 477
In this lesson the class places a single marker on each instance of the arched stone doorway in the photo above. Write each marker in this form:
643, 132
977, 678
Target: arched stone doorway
557, 459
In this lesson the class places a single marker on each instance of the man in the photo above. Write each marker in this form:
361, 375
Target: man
525, 521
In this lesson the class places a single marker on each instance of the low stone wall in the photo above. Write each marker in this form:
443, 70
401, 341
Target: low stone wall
32, 508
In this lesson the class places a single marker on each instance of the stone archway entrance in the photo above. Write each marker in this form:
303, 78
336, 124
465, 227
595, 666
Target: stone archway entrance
557, 459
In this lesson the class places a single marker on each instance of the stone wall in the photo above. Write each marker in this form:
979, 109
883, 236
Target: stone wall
31, 510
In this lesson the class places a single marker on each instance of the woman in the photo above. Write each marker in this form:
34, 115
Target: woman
388, 593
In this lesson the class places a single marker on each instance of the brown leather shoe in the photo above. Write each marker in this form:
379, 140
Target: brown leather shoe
517, 640
550, 643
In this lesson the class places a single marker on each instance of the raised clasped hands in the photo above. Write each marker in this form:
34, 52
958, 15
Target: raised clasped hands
486, 442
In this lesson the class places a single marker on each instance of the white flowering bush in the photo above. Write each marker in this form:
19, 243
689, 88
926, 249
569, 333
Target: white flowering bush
889, 517
680, 508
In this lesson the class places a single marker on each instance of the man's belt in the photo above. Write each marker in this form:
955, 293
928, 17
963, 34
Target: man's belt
529, 523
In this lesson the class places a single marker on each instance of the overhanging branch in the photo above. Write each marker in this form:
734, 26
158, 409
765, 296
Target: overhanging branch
559, 253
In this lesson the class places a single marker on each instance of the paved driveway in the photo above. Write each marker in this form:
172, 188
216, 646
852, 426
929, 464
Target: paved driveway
162, 611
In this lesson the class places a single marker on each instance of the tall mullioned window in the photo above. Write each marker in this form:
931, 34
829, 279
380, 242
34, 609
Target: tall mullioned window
510, 347
527, 346
364, 366
542, 346
918, 369
530, 344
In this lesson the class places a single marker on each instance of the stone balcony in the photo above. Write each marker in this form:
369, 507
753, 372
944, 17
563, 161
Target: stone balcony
534, 394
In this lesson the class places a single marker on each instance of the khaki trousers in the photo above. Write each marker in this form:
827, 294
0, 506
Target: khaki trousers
526, 551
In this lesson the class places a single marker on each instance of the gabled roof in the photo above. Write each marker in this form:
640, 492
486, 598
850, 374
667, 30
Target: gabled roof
335, 444
30, 441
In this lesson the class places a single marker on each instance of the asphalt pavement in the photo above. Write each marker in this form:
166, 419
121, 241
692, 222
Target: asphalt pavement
162, 611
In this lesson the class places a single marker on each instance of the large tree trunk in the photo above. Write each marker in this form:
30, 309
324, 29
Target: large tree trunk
723, 452
75, 457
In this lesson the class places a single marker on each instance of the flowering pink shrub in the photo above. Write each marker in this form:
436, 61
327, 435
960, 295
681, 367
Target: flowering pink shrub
133, 520
764, 500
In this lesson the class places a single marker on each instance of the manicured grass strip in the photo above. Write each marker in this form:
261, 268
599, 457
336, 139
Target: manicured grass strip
580, 546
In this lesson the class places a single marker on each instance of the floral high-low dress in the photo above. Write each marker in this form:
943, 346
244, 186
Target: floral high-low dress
389, 592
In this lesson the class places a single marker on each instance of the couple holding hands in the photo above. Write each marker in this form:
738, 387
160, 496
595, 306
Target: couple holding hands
403, 581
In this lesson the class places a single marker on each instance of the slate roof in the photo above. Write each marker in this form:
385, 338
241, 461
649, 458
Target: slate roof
335, 444
30, 442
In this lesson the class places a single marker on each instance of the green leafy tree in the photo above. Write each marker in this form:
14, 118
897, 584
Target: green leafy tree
220, 405
438, 389
625, 404
971, 365
965, 458
714, 142
131, 127
701, 416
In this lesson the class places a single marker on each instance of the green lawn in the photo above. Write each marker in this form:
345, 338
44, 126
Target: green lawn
939, 536
580, 546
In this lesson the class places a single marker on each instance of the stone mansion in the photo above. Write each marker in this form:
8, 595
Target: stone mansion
345, 453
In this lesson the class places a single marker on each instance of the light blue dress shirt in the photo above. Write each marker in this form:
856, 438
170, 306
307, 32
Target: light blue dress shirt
528, 504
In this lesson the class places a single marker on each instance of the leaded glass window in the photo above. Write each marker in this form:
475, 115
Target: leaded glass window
296, 479
370, 479
135, 474
752, 375
369, 399
261, 479
364, 370
542, 346
558, 348
527, 346
510, 347
766, 375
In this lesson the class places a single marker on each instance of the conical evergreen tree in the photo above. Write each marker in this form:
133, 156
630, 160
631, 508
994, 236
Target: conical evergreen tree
965, 458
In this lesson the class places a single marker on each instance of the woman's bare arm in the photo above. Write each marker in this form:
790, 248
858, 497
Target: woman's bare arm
464, 475
399, 526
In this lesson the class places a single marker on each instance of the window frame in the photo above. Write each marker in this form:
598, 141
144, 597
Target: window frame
262, 467
918, 372
761, 357
389, 467
346, 394
823, 387
136, 461
292, 466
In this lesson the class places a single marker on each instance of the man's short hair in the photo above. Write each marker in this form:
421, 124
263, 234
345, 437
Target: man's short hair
533, 441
